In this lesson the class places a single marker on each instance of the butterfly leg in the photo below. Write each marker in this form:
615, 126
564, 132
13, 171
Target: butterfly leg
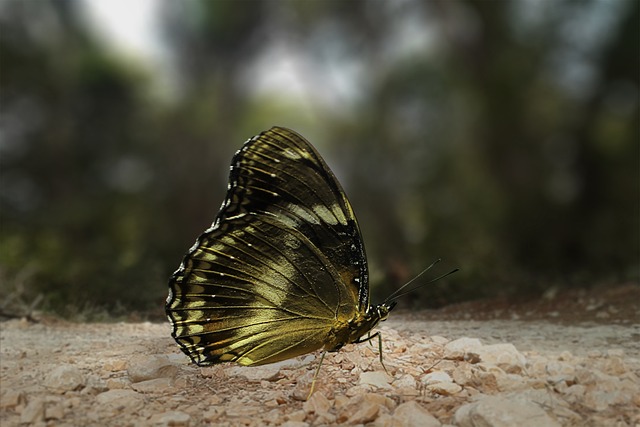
315, 376
380, 351
369, 338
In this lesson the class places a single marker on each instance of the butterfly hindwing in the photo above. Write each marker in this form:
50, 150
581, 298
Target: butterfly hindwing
281, 268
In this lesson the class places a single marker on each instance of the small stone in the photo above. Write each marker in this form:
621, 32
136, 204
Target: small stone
456, 350
65, 378
181, 383
156, 385
559, 368
472, 358
171, 418
441, 341
506, 356
301, 391
608, 391
356, 358
566, 356
54, 412
341, 401
33, 412
272, 417
294, 424
119, 399
240, 409
537, 367
385, 420
485, 382
327, 419
585, 376
317, 404
257, 373
576, 390
614, 365
617, 352
411, 414
444, 389
511, 382
380, 400
440, 383
95, 385
435, 377
116, 383
463, 374
297, 416
362, 408
11, 399
115, 365
557, 381
210, 371
598, 400
593, 354
502, 412
377, 378
212, 414
365, 414
271, 403
405, 381
142, 368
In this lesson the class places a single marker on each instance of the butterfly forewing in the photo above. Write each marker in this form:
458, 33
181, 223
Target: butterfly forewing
280, 174
282, 266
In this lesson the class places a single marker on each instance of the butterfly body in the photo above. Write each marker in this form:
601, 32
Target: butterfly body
282, 271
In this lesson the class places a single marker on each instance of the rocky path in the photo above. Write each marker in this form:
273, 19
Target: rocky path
441, 373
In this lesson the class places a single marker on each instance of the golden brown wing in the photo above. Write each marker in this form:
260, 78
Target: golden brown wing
282, 265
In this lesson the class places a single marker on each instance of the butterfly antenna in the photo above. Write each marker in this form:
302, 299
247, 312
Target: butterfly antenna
395, 295
423, 284
402, 292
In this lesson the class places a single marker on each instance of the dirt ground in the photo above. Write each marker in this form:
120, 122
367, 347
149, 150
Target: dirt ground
568, 359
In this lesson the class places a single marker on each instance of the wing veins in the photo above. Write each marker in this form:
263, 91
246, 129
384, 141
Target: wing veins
302, 274
305, 185
246, 325
267, 265
283, 350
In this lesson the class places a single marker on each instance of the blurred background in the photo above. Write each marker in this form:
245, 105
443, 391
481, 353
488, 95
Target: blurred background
501, 136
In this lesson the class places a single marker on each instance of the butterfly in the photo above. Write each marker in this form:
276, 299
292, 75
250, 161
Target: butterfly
282, 270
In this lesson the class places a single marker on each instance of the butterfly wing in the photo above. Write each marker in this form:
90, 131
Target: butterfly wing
281, 268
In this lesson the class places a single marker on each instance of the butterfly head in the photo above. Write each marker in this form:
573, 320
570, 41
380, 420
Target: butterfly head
363, 325
380, 312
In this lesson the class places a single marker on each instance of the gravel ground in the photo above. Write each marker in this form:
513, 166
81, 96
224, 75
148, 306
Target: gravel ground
510, 368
